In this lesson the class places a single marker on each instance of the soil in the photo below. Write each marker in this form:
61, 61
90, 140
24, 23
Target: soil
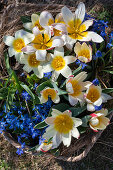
101, 156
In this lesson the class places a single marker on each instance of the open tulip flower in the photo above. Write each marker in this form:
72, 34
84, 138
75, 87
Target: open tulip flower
76, 30
34, 23
83, 52
41, 43
62, 127
21, 39
31, 63
49, 92
45, 146
57, 26
98, 120
94, 97
59, 63
75, 86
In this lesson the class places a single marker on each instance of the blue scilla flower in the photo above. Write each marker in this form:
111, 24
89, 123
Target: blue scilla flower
19, 151
95, 82
110, 44
25, 95
98, 107
97, 55
35, 86
78, 62
48, 75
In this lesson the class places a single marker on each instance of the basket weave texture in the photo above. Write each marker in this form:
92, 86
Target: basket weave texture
10, 23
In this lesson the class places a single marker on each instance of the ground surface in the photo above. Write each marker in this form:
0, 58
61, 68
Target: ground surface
101, 156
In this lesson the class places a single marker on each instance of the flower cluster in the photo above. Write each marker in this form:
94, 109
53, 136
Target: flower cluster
46, 107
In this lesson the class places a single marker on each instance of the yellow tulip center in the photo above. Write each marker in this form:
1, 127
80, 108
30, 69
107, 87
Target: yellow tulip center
50, 22
56, 32
38, 25
63, 123
18, 44
76, 29
84, 53
33, 62
93, 94
42, 42
49, 93
77, 88
94, 121
58, 63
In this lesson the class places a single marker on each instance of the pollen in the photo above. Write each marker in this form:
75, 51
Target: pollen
18, 44
33, 62
49, 93
77, 88
93, 94
58, 63
42, 42
38, 25
50, 22
63, 123
76, 29
85, 53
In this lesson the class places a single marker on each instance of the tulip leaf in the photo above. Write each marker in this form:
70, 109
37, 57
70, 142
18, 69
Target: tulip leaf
41, 125
25, 87
3, 93
43, 85
76, 111
85, 120
108, 71
75, 72
61, 107
25, 19
108, 90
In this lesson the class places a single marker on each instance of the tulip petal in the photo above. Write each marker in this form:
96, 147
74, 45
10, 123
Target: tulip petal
27, 68
56, 140
72, 100
34, 18
69, 59
57, 99
41, 55
66, 138
28, 25
87, 24
36, 31
46, 18
75, 133
59, 51
49, 120
77, 122
67, 14
55, 112
11, 51
8, 40
50, 132
57, 42
80, 11
90, 107
92, 36
66, 72
28, 49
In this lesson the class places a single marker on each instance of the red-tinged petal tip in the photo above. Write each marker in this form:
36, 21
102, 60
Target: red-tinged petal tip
93, 115
42, 150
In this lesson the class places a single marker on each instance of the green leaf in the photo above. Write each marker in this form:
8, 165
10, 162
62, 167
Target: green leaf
33, 148
10, 98
40, 125
3, 93
60, 92
9, 70
75, 72
81, 129
55, 152
61, 107
108, 90
43, 85
25, 19
76, 111
28, 90
85, 120
108, 71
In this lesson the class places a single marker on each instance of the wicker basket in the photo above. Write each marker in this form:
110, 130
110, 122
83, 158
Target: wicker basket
10, 23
